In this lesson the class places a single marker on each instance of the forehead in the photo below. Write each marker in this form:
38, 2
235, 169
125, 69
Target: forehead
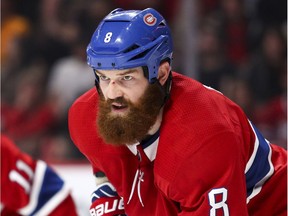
138, 71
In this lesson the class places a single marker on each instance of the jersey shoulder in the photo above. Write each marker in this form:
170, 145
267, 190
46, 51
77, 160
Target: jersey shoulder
197, 110
195, 120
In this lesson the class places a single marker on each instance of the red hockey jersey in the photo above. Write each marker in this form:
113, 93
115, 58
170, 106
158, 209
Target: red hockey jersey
206, 159
31, 187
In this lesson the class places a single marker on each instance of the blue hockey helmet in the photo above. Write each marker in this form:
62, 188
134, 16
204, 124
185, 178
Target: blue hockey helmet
131, 38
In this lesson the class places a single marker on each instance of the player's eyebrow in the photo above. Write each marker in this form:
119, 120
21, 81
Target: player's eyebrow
98, 73
129, 71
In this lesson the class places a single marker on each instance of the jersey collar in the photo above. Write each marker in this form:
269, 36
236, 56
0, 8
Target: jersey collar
149, 146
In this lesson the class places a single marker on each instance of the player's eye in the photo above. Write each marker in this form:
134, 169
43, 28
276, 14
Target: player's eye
127, 78
103, 78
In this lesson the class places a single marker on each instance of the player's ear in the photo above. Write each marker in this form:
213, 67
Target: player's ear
163, 72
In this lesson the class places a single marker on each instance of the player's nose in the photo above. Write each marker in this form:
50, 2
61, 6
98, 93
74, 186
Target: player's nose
113, 90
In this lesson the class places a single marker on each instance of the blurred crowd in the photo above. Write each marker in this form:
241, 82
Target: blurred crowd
238, 47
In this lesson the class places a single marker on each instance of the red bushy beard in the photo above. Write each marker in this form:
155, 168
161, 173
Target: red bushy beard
135, 124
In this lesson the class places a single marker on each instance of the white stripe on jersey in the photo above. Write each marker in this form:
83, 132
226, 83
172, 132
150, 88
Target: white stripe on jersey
259, 167
37, 184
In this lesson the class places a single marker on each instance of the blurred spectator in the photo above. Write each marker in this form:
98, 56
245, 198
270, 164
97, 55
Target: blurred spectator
238, 89
168, 8
57, 30
14, 27
57, 148
207, 7
272, 120
268, 78
213, 65
87, 15
27, 116
271, 12
268, 66
69, 77
234, 29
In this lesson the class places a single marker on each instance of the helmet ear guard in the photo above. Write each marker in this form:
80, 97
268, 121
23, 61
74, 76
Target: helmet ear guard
128, 39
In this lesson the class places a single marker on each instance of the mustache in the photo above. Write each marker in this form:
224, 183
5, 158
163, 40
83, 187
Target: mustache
119, 100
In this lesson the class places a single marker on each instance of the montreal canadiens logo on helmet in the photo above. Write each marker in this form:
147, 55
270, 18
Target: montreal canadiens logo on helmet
149, 19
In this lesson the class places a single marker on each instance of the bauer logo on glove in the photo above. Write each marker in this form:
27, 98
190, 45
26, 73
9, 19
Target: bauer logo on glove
106, 201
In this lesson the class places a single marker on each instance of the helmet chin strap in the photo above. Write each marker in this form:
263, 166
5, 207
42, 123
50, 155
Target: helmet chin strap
166, 88
98, 87
100, 93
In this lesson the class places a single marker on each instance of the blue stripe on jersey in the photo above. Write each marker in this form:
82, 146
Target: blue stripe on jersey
51, 185
261, 167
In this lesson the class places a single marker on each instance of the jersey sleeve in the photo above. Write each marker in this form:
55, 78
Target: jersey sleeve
30, 187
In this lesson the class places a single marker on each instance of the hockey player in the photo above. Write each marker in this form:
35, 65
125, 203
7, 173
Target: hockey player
166, 144
31, 187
